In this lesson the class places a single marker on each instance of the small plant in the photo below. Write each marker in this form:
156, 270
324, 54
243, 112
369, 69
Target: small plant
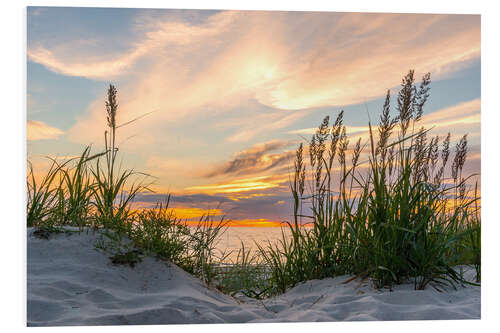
130, 258
122, 250
44, 231
159, 232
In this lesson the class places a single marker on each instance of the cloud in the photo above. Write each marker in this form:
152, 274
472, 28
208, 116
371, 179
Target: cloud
263, 222
255, 159
38, 130
197, 199
81, 57
241, 185
283, 60
243, 209
358, 53
464, 113
102, 69
268, 122
195, 213
180, 212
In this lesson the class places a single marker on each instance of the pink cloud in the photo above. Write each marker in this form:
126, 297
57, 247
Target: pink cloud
38, 130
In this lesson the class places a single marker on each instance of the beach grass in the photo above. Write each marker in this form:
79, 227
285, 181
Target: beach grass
393, 209
247, 275
394, 217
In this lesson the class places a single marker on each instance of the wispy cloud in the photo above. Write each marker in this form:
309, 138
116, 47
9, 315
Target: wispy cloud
80, 57
276, 58
241, 185
197, 199
268, 122
255, 159
242, 208
464, 113
38, 130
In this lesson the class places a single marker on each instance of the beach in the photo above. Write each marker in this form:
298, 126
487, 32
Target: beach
69, 283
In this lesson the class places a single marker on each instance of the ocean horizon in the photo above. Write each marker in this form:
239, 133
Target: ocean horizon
230, 241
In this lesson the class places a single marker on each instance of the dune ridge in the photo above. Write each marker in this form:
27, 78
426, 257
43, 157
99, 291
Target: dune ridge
70, 283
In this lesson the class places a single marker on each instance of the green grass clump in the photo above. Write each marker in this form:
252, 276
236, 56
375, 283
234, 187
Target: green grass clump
131, 258
158, 231
393, 217
247, 275
81, 192
42, 197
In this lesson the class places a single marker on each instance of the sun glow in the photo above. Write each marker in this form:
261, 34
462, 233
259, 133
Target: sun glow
239, 185
254, 223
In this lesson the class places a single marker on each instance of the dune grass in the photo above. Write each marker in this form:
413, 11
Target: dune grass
393, 209
393, 217
92, 193
247, 275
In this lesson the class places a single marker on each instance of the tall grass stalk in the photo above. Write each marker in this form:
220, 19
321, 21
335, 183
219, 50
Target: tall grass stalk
111, 196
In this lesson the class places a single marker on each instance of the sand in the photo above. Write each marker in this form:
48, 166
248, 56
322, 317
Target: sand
70, 283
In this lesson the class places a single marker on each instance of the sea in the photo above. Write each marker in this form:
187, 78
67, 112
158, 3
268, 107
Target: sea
231, 241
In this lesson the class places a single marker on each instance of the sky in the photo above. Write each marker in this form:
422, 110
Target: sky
229, 95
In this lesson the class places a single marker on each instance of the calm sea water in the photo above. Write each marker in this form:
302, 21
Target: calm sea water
233, 237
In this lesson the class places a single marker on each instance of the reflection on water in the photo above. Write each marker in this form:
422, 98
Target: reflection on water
232, 238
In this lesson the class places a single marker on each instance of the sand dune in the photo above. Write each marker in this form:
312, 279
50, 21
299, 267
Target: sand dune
70, 283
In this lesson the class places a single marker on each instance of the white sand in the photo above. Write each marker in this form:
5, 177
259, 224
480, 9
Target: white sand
70, 283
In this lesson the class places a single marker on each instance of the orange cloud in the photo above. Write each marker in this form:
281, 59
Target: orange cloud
191, 213
183, 213
256, 159
254, 223
240, 185
38, 130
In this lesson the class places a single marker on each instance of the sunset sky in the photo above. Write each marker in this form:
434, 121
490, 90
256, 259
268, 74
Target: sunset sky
230, 94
